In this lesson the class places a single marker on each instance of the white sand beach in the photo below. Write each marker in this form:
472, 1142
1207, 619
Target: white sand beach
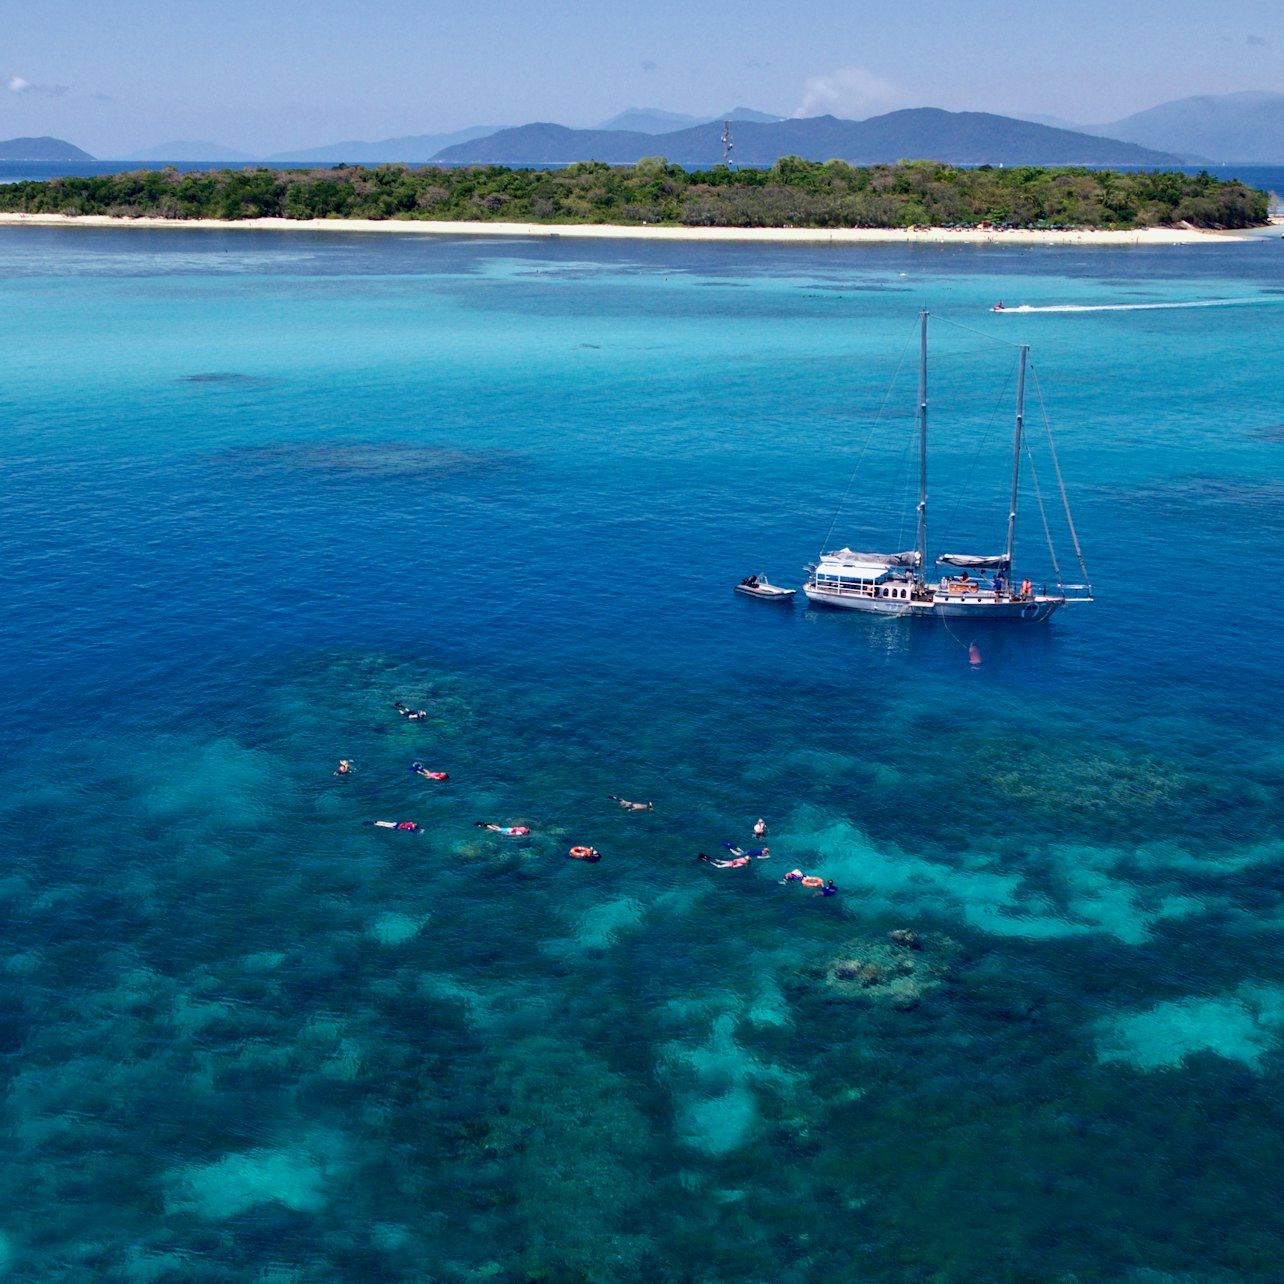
795, 235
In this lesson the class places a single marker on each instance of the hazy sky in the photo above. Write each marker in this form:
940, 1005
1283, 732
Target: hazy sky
266, 75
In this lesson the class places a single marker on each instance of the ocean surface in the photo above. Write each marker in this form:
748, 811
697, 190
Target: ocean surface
259, 487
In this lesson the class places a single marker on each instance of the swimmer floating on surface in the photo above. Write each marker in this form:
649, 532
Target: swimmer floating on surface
632, 806
411, 715
738, 859
509, 831
408, 825
344, 768
762, 853
420, 770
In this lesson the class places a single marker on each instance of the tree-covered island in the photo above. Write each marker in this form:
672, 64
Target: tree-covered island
792, 193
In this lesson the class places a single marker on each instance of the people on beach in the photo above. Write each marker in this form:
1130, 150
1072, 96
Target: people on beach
509, 831
411, 715
420, 770
344, 768
759, 828
631, 806
408, 825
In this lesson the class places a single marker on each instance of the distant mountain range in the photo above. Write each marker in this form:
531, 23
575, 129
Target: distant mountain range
413, 149
647, 120
40, 149
186, 150
1246, 128
960, 138
1236, 128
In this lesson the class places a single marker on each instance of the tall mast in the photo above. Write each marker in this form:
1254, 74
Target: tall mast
922, 447
1016, 452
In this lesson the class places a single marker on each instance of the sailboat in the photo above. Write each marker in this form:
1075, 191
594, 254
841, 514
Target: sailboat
972, 586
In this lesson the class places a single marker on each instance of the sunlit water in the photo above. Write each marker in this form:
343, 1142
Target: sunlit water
259, 487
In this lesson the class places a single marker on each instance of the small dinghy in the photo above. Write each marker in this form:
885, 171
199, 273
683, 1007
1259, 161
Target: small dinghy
757, 586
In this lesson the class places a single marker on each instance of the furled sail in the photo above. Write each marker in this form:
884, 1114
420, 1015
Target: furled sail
875, 559
974, 562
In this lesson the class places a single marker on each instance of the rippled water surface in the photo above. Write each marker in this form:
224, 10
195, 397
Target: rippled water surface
259, 487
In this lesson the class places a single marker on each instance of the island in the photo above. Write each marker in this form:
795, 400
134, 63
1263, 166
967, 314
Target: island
791, 195
41, 149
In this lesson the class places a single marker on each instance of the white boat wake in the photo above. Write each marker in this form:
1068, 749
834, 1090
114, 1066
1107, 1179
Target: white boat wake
1131, 307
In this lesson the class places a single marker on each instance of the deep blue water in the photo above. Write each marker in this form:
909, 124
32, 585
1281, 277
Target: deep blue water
259, 487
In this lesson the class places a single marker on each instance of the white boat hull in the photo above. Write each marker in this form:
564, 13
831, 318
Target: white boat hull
870, 605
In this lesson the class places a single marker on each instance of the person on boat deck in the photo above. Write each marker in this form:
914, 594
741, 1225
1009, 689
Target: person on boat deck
999, 584
750, 581
1025, 588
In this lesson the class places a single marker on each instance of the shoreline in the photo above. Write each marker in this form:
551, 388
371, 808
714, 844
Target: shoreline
785, 235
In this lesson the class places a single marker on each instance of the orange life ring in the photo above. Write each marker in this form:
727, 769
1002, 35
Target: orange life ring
582, 853
812, 881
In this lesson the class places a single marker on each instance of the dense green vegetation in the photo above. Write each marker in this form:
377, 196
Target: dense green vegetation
792, 193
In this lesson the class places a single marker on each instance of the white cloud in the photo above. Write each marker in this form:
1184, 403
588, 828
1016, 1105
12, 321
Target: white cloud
19, 85
851, 92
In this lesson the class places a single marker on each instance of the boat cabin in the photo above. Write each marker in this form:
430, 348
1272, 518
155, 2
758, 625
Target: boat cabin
847, 574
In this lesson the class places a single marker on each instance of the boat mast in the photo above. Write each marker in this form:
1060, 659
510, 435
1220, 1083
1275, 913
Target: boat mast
1016, 453
922, 447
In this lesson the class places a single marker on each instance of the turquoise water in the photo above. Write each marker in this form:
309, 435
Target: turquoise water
259, 487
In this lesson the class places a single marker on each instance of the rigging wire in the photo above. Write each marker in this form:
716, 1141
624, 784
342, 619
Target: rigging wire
1065, 499
878, 419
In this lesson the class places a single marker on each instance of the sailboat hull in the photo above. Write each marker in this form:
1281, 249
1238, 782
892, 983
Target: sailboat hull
1030, 610
870, 605
1026, 611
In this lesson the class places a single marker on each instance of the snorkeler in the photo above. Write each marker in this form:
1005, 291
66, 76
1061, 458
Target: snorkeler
734, 863
509, 831
631, 806
794, 876
762, 853
828, 890
412, 715
408, 825
760, 828
420, 770
344, 768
